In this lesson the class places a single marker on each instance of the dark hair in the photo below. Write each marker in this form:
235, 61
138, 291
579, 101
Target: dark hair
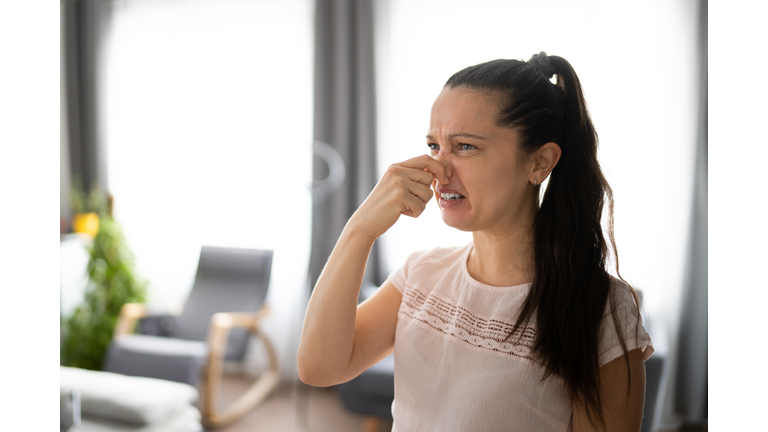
570, 285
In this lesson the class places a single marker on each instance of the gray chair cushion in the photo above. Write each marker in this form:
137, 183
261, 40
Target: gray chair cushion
174, 348
157, 324
227, 280
157, 357
372, 392
655, 368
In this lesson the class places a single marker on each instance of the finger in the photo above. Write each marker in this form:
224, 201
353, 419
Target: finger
426, 162
413, 206
423, 192
412, 174
423, 177
434, 192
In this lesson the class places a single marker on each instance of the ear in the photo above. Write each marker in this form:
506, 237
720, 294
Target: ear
544, 161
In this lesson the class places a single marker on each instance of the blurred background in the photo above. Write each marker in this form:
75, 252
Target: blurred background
263, 124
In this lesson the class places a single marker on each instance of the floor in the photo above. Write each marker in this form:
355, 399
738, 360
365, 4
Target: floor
693, 429
294, 408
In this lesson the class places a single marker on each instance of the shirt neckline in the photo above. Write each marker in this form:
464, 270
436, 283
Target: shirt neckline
465, 273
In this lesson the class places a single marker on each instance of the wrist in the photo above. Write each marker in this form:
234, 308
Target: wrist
356, 229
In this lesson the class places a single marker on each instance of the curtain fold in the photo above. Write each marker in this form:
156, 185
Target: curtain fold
86, 23
691, 385
344, 167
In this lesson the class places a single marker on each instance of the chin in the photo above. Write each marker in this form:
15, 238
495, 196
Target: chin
456, 222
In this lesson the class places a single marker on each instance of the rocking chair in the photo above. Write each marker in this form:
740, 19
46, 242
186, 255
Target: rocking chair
226, 306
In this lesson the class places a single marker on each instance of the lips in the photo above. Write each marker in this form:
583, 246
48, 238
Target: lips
449, 197
448, 194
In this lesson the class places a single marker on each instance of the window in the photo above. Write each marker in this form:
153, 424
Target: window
208, 126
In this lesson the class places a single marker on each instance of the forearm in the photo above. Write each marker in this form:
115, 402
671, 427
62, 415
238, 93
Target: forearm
327, 338
328, 351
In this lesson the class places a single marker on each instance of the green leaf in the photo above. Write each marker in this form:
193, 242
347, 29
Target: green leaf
112, 283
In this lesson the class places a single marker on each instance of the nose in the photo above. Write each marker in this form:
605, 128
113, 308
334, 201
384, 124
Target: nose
446, 158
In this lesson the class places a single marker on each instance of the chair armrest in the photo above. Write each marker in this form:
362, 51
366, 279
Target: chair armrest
222, 322
239, 319
129, 315
218, 332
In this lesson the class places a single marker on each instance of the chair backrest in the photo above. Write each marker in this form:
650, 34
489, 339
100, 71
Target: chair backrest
227, 280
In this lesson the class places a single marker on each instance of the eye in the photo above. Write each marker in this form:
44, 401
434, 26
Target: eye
433, 146
466, 147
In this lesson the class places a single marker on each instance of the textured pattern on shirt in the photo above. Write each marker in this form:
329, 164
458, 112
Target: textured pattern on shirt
462, 324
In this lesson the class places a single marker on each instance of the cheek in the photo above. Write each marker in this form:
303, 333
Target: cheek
488, 183
472, 175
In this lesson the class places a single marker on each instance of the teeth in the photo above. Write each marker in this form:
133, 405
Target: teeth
451, 196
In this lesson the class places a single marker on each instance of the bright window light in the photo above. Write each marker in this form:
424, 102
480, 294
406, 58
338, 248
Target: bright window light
208, 126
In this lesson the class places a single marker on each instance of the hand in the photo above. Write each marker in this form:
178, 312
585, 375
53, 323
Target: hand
403, 189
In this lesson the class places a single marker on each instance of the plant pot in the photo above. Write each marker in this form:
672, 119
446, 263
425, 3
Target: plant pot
86, 223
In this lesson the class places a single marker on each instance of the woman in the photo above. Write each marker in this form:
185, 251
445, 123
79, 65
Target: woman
521, 330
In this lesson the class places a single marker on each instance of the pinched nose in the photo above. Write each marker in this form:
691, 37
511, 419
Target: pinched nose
446, 159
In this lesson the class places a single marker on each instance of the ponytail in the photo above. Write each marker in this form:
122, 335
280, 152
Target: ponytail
570, 284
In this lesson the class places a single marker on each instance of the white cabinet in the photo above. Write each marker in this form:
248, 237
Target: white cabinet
73, 265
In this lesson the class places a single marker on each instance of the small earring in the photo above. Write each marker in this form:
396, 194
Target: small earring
535, 180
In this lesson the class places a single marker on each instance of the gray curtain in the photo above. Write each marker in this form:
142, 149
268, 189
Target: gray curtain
344, 169
692, 365
86, 23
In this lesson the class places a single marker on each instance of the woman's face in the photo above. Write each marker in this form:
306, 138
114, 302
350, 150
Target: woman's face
487, 180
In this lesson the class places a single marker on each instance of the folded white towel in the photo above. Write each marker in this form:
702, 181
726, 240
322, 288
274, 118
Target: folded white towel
185, 420
136, 400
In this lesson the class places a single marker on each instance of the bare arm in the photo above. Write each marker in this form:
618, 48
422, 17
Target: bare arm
623, 412
340, 339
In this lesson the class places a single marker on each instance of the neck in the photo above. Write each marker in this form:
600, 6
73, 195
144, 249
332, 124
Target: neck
505, 257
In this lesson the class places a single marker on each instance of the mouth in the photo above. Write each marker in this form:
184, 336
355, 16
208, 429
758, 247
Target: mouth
451, 199
451, 196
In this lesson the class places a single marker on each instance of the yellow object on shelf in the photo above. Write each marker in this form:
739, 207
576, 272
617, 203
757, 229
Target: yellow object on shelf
86, 223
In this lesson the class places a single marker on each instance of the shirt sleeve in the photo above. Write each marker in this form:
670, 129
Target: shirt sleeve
399, 277
631, 326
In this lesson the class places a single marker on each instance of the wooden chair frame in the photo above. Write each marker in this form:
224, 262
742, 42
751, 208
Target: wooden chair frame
218, 333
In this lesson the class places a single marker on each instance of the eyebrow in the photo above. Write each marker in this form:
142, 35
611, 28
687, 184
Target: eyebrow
460, 135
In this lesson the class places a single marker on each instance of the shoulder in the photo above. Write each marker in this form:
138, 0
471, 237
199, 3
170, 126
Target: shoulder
621, 297
427, 262
622, 322
433, 260
437, 256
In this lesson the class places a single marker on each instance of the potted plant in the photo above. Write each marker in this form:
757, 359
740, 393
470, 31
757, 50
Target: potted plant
112, 282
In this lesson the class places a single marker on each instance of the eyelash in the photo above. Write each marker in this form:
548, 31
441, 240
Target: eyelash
433, 146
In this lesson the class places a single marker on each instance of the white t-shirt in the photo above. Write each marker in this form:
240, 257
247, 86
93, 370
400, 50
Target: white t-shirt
453, 370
